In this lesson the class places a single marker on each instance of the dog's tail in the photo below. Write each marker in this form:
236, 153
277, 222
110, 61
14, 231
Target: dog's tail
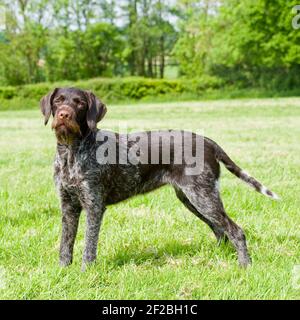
243, 175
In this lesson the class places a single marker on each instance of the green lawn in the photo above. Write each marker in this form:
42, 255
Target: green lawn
151, 246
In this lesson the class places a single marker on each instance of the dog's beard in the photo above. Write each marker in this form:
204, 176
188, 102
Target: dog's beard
66, 131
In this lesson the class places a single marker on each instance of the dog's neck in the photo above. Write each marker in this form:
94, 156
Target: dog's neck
72, 146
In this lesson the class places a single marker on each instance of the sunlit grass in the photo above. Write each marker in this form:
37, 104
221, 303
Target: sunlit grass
151, 246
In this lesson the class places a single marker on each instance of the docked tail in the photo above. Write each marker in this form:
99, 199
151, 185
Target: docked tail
243, 175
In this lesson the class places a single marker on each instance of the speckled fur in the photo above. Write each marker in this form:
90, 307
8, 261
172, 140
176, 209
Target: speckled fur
83, 183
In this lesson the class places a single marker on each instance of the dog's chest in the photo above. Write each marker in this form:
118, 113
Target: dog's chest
69, 171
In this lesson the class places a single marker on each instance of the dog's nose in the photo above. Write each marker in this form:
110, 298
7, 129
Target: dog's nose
63, 114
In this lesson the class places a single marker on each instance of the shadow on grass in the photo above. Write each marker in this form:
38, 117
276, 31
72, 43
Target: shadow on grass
171, 250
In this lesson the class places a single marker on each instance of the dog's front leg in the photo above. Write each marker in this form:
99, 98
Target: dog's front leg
70, 217
93, 222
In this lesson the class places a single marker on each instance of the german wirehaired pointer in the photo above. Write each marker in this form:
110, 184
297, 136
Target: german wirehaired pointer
86, 182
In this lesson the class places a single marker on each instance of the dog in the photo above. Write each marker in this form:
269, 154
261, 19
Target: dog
84, 181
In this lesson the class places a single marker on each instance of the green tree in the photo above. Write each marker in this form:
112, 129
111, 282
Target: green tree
84, 54
24, 39
194, 46
247, 43
150, 36
256, 44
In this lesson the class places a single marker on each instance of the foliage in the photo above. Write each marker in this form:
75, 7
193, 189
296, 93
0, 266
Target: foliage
47, 40
248, 43
117, 89
84, 54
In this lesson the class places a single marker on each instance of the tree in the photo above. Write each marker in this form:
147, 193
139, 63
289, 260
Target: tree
193, 48
149, 35
24, 40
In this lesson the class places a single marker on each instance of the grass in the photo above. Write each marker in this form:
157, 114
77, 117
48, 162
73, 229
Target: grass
151, 247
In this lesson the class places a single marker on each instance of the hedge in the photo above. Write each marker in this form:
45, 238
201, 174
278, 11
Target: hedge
114, 90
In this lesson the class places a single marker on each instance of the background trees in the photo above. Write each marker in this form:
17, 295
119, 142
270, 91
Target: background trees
245, 43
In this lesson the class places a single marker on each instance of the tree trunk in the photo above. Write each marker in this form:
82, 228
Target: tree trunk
162, 57
155, 67
150, 67
133, 57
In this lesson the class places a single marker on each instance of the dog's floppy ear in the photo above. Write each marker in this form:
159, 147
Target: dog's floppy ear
46, 104
96, 110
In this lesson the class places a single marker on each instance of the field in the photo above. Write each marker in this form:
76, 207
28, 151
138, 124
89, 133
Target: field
150, 246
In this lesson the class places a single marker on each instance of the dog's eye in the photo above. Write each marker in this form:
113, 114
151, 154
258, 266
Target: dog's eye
59, 99
81, 104
78, 102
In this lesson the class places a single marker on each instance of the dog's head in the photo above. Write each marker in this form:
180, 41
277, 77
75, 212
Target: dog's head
75, 112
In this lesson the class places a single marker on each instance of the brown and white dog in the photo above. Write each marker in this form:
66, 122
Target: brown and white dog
85, 181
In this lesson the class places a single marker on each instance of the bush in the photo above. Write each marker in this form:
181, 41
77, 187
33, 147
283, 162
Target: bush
115, 89
8, 92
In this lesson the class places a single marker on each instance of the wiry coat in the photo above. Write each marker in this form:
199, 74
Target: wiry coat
84, 183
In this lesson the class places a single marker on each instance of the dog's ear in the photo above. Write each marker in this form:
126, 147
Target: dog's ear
46, 104
96, 110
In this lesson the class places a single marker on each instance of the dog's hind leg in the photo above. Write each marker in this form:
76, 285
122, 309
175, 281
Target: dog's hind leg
207, 201
219, 233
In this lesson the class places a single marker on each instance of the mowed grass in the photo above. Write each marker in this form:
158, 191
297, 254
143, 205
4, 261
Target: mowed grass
150, 246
